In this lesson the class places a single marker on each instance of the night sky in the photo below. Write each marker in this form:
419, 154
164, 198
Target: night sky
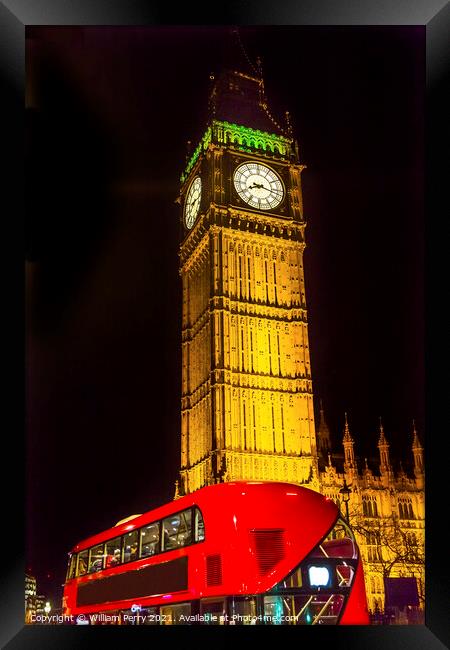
109, 112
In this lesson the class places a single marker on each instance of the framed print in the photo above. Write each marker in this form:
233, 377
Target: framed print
227, 392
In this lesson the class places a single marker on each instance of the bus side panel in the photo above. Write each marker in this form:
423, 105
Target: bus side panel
356, 611
69, 600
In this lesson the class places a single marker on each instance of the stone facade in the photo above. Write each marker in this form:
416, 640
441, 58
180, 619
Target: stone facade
386, 508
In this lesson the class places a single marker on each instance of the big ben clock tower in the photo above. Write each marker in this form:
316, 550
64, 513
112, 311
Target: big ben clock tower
247, 399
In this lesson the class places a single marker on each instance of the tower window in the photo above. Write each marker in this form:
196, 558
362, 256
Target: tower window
267, 281
273, 430
244, 424
240, 276
275, 281
279, 356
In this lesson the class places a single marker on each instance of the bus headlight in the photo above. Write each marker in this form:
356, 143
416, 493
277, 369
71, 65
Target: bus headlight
319, 576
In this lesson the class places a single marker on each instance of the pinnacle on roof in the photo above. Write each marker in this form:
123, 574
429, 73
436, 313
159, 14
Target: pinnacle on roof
416, 442
323, 428
382, 439
347, 437
238, 94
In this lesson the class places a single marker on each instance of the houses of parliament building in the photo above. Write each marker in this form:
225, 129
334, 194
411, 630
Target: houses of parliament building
247, 410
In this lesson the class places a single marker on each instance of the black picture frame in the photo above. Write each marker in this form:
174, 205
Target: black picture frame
14, 16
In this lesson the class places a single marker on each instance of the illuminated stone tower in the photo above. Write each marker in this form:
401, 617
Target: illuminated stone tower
247, 398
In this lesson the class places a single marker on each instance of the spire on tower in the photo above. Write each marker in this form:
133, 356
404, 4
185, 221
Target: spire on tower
385, 461
323, 433
382, 439
367, 471
241, 59
416, 442
347, 441
238, 94
417, 451
347, 436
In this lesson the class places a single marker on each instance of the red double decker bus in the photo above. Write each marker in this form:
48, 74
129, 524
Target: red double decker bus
231, 553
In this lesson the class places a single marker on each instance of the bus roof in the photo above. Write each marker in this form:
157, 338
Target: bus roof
231, 491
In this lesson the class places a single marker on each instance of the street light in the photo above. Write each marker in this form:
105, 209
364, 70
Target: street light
47, 608
345, 491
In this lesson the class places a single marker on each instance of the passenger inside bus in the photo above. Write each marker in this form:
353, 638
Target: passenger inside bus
114, 559
149, 540
177, 530
133, 552
130, 553
82, 565
96, 565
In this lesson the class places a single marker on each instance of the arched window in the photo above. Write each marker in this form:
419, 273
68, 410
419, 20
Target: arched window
405, 509
375, 509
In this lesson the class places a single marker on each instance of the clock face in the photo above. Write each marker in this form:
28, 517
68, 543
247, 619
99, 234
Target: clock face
192, 205
258, 185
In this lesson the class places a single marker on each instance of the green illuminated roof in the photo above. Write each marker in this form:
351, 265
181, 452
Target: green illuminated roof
241, 137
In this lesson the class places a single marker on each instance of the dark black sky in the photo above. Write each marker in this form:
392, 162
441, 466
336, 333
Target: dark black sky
109, 114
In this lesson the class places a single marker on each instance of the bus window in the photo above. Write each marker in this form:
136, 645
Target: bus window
213, 611
149, 616
290, 609
199, 526
177, 530
242, 610
82, 563
130, 546
273, 610
149, 540
292, 581
340, 543
96, 554
175, 614
113, 552
71, 566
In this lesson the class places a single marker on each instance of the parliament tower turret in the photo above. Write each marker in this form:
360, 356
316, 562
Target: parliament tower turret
247, 398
